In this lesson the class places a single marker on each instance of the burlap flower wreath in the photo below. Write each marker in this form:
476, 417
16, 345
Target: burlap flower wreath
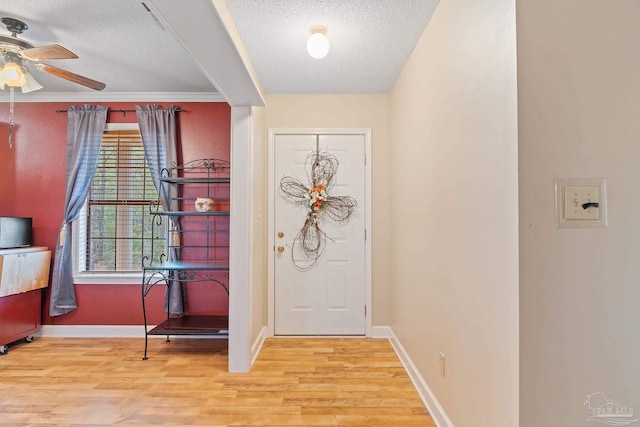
310, 242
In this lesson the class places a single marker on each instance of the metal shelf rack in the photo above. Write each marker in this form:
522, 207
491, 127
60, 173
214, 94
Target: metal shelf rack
198, 242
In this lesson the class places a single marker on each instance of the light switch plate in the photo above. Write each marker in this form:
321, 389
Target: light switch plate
581, 203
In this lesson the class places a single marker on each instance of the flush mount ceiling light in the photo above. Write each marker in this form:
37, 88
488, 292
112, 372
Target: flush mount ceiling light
318, 43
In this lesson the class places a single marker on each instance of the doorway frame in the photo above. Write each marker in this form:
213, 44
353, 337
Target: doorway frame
272, 133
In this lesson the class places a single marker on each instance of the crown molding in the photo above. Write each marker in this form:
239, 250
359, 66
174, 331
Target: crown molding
115, 97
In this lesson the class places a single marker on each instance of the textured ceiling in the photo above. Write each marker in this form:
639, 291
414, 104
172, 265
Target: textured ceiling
118, 43
121, 44
370, 42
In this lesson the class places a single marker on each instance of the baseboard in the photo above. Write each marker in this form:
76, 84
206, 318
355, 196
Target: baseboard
257, 344
103, 331
91, 331
380, 332
435, 409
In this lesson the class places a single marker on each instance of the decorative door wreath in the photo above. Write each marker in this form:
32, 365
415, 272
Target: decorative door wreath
311, 240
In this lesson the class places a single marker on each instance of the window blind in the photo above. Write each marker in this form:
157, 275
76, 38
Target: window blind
117, 229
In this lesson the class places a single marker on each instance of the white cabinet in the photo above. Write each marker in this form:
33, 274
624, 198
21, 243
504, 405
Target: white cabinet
24, 269
23, 272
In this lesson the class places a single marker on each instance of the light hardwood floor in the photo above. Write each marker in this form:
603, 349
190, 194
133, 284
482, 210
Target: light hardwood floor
301, 382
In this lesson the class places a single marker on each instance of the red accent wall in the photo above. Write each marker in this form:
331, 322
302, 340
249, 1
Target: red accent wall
32, 184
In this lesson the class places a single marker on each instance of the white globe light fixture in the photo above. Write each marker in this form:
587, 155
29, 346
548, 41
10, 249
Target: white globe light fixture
318, 43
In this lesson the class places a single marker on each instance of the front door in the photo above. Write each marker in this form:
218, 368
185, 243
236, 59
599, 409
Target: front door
322, 292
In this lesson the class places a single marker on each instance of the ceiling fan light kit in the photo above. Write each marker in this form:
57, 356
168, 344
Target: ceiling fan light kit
318, 43
30, 84
12, 75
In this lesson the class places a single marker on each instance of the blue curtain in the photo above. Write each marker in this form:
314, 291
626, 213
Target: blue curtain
159, 137
84, 135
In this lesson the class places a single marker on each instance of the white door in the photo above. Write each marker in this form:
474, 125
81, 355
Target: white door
327, 298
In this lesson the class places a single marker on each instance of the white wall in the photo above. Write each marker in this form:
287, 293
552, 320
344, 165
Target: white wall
258, 275
351, 111
454, 216
579, 109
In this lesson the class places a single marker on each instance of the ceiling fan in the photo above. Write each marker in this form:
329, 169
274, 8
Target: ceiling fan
18, 54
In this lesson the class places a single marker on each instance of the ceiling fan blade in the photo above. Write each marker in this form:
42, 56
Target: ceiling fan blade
72, 77
48, 52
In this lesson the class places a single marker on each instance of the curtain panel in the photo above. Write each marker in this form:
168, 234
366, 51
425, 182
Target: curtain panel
159, 138
84, 136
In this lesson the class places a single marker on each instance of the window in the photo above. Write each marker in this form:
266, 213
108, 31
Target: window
114, 231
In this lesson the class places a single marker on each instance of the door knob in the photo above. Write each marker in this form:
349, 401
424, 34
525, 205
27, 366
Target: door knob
280, 249
280, 234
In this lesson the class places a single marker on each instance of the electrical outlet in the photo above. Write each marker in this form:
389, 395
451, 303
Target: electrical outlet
442, 365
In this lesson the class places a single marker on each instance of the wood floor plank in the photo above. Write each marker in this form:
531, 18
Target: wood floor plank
294, 382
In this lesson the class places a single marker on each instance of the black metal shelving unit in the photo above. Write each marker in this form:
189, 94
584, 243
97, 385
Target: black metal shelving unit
197, 241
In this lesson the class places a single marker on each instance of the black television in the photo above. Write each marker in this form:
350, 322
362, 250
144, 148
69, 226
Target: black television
15, 232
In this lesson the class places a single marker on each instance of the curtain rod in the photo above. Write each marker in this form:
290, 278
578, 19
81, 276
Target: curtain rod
177, 110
